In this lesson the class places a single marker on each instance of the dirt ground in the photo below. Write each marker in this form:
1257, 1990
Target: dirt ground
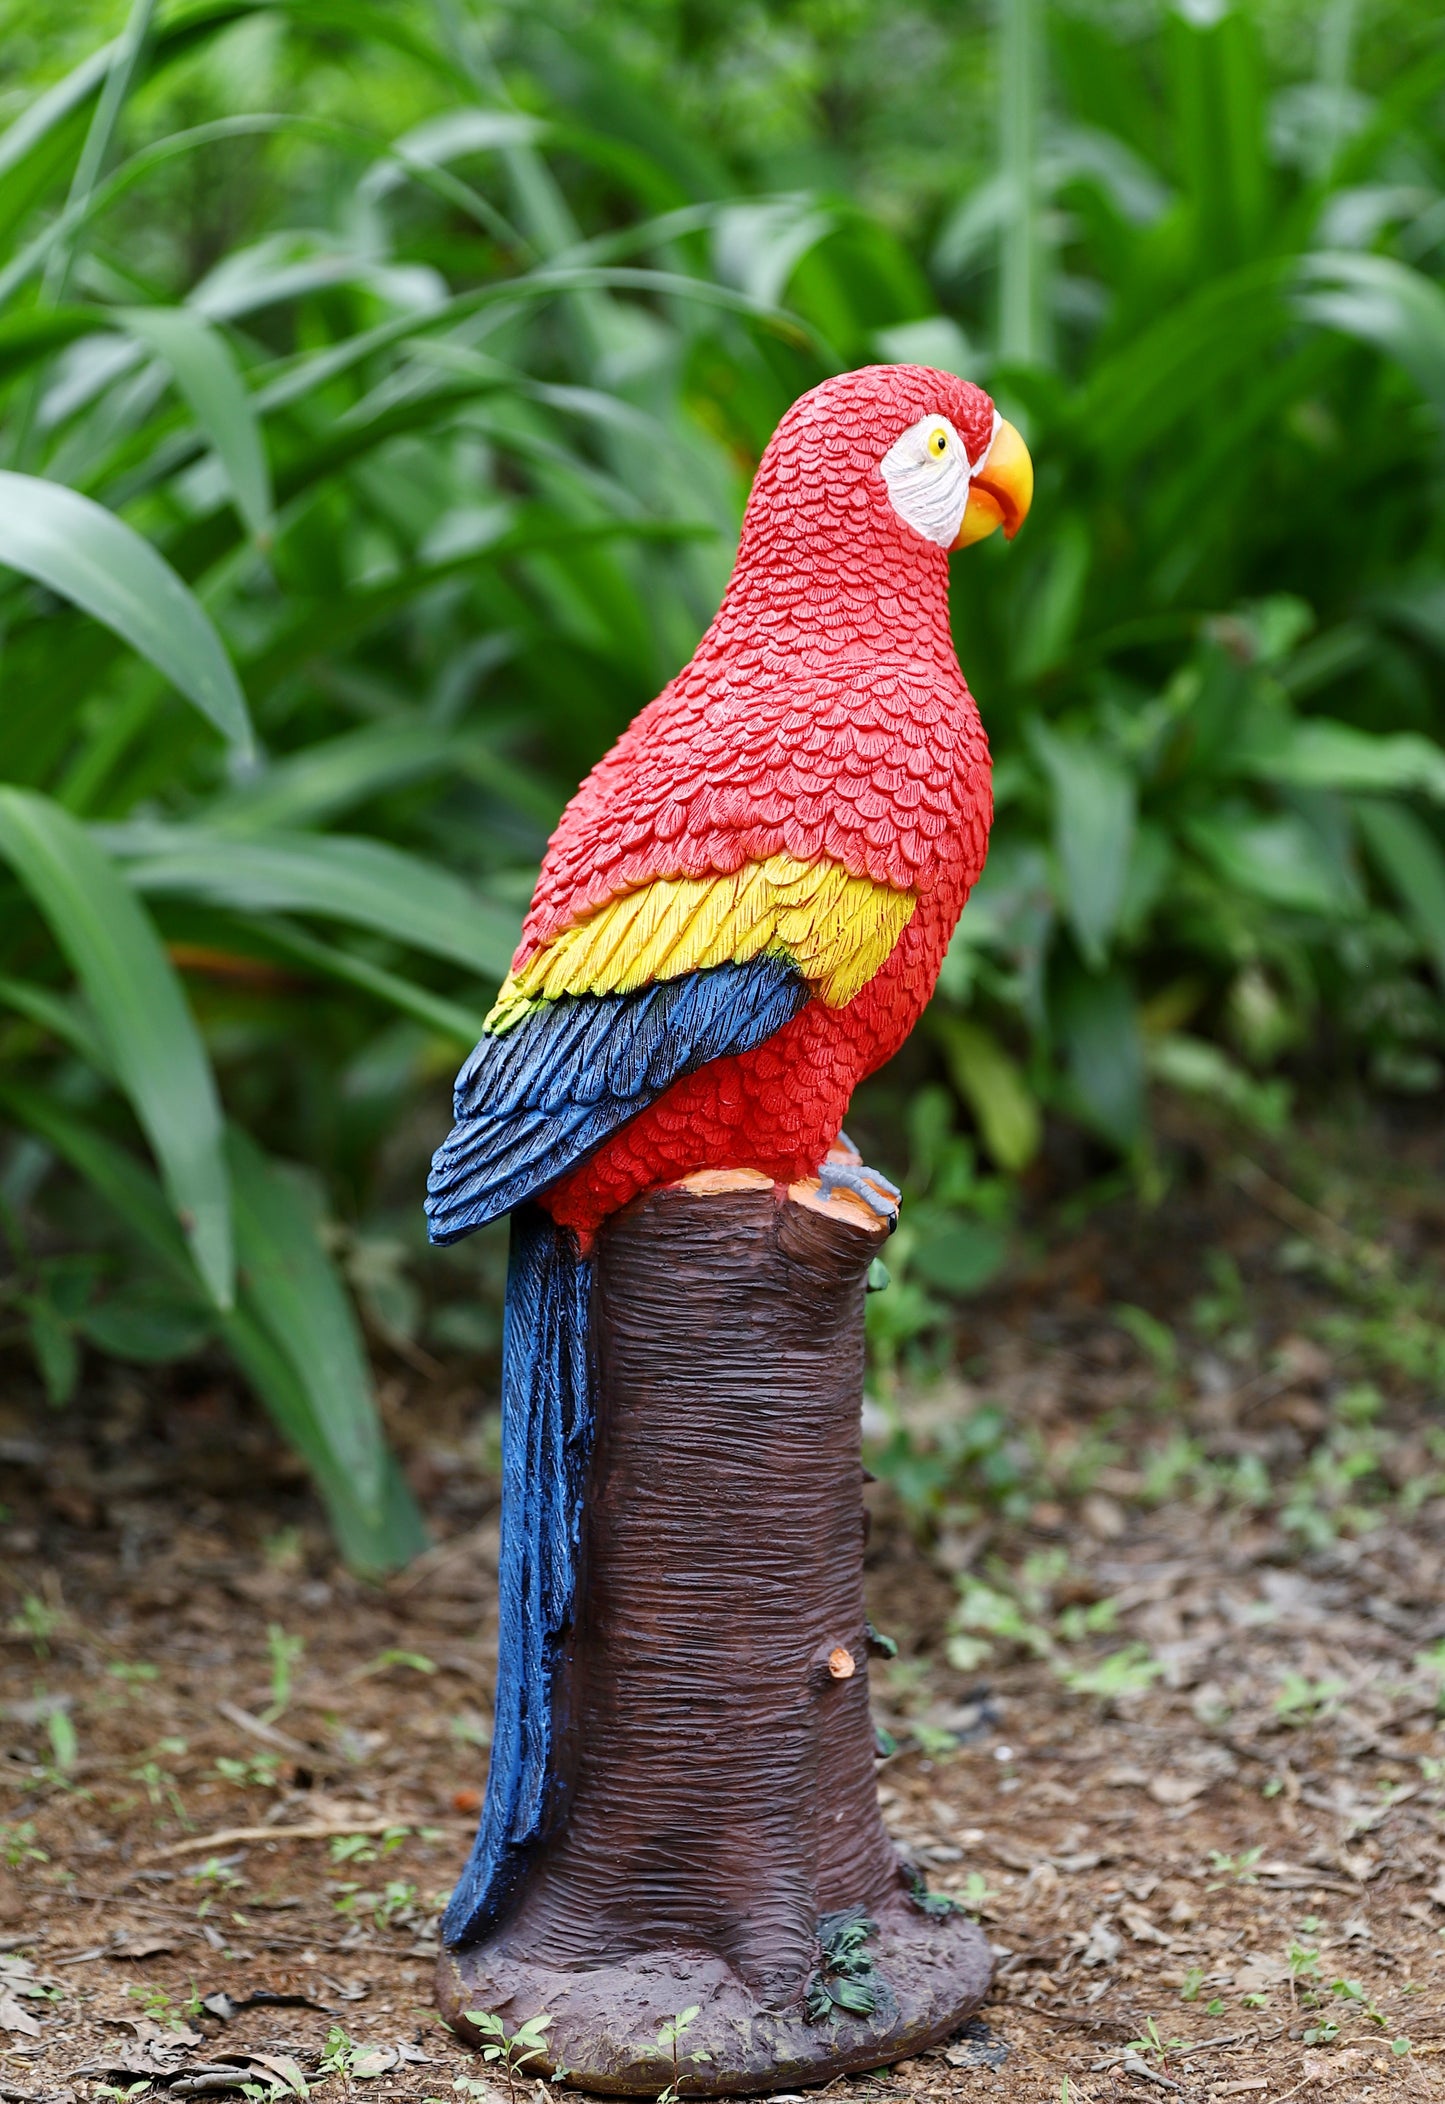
1168, 1700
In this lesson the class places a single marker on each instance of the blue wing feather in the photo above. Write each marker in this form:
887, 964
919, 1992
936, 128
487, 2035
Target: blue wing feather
532, 1104
529, 1106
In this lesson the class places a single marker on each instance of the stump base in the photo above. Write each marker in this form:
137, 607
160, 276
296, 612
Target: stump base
931, 1973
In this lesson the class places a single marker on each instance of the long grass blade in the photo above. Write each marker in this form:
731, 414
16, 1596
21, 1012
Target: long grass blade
86, 554
140, 1010
201, 364
363, 882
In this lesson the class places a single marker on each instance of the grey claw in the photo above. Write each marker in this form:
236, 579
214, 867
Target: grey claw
876, 1192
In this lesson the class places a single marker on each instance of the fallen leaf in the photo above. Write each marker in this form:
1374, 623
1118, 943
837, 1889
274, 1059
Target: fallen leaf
137, 1947
16, 2018
1171, 1788
147, 2032
278, 2065
1258, 1975
1103, 1945
209, 2081
369, 2061
1142, 1929
976, 2046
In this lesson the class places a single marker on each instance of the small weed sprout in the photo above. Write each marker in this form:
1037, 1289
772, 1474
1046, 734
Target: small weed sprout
510, 2050
160, 1788
17, 1844
1152, 2045
337, 2054
977, 1892
414, 1661
286, 1654
158, 2008
1241, 1867
64, 1746
36, 1620
668, 2039
1126, 1672
1302, 1701
133, 1673
219, 1872
258, 1771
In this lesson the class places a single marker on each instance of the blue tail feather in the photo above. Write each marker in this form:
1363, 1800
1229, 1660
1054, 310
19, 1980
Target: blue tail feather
547, 1427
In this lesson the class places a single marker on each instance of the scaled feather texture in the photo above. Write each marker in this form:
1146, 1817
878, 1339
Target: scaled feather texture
740, 915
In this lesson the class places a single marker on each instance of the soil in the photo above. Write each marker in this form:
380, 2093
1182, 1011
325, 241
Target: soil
1168, 1699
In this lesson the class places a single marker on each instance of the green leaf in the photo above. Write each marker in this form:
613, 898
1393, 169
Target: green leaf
67, 1020
294, 1294
1282, 860
961, 1259
993, 1087
84, 553
1382, 302
52, 1340
1094, 820
153, 1046
448, 1018
332, 875
148, 1323
1099, 1034
371, 1540
313, 785
203, 367
121, 1181
1321, 754
257, 1332
25, 339
1412, 862
1201, 1069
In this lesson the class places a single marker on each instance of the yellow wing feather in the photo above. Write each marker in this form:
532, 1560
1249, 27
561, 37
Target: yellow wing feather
837, 929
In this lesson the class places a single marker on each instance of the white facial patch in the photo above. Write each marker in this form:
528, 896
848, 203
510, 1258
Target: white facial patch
927, 472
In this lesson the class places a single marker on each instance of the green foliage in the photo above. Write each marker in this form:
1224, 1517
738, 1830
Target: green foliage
378, 395
512, 2051
669, 2039
844, 1979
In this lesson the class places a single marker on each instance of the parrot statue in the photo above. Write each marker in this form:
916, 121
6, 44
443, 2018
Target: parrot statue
742, 913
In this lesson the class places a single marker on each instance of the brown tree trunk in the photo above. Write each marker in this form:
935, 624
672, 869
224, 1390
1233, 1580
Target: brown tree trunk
719, 1801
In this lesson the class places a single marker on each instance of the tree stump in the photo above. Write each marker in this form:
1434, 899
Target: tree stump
717, 1834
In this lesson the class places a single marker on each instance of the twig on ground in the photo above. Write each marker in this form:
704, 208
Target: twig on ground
317, 1830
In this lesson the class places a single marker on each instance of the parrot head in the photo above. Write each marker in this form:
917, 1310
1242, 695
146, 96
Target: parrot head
956, 478
880, 460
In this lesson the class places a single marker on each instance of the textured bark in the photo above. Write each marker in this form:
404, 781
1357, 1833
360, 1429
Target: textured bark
722, 1787
719, 1793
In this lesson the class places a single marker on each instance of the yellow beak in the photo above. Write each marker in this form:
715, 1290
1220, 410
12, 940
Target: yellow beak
1001, 491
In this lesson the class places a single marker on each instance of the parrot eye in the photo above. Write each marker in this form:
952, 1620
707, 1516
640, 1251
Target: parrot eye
926, 471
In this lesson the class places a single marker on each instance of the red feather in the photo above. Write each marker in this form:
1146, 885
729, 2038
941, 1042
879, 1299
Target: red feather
823, 715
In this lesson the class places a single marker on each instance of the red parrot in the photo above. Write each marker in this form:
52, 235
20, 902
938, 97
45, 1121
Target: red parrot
742, 913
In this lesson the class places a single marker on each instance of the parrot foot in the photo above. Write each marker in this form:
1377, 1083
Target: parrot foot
875, 1190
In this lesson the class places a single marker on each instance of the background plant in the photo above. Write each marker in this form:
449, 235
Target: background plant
379, 390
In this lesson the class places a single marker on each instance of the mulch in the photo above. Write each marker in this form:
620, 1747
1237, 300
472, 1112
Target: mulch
1192, 1782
